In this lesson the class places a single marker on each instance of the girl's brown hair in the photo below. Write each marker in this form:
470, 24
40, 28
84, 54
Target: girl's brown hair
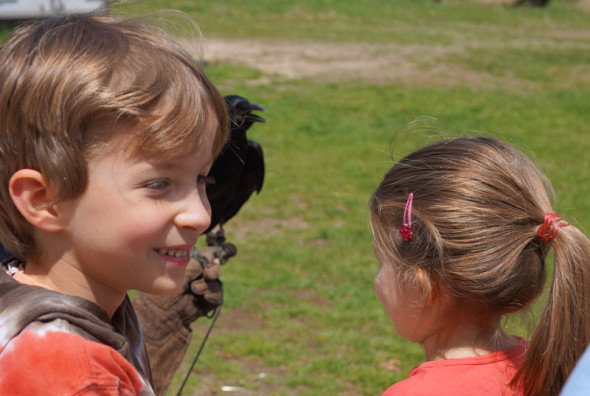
69, 83
478, 203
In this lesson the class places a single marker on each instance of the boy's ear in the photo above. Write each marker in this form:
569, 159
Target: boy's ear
31, 196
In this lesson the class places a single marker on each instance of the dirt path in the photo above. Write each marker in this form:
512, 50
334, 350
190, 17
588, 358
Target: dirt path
374, 63
328, 62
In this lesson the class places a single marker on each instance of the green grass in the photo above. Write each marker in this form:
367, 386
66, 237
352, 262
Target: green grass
551, 65
404, 21
5, 30
300, 314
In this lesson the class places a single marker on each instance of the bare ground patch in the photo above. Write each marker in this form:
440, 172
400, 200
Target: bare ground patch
332, 62
377, 63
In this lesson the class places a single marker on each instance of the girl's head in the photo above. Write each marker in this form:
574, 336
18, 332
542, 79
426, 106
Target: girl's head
477, 205
70, 84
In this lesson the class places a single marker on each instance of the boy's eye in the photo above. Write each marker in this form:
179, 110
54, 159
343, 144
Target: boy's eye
158, 184
205, 180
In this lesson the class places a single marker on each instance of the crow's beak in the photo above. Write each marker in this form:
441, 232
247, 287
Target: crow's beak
253, 117
256, 106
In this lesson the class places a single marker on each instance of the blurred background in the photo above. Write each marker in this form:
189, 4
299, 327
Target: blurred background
349, 87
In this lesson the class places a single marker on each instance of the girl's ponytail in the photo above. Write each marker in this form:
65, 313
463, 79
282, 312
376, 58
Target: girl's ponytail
563, 332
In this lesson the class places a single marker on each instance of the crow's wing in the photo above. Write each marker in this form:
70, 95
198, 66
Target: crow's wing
253, 174
250, 181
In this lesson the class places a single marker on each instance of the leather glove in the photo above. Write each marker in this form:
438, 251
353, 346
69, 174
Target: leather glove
203, 281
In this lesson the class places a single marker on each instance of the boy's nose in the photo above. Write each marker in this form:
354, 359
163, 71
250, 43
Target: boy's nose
196, 213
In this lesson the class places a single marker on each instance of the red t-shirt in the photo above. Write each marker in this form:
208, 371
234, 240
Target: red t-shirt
487, 375
65, 364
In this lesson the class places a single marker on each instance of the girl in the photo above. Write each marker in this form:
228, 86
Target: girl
462, 229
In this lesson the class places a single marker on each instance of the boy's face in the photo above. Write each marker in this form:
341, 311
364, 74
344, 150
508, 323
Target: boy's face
137, 220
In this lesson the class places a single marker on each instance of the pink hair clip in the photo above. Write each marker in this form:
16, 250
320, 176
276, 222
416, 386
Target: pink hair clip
406, 229
551, 225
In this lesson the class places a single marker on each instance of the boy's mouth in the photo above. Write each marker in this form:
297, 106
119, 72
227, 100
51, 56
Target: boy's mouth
173, 252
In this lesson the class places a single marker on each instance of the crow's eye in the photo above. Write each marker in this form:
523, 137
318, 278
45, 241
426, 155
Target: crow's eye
205, 180
160, 184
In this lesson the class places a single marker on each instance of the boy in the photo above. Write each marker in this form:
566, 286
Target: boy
108, 129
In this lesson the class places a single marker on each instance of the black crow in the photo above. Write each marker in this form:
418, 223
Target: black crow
239, 169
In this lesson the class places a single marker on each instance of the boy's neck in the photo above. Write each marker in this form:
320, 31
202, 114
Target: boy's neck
64, 278
465, 338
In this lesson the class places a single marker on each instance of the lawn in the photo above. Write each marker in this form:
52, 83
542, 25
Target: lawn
300, 314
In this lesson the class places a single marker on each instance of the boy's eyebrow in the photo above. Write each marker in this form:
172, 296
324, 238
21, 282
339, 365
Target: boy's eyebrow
165, 164
171, 163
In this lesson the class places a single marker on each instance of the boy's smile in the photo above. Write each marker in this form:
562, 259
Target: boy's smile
135, 224
179, 253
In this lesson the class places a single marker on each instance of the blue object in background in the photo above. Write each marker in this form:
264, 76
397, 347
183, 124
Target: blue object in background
578, 383
4, 254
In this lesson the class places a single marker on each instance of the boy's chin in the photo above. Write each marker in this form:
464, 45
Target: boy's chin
163, 287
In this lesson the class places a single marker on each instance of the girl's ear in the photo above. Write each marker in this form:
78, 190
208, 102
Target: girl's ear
32, 197
430, 291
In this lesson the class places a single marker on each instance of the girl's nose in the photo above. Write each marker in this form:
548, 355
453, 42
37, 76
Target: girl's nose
195, 213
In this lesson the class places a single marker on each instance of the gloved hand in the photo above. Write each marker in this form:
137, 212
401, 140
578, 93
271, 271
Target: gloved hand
165, 320
203, 280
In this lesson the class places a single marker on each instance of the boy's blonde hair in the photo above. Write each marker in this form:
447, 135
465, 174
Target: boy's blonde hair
477, 206
68, 83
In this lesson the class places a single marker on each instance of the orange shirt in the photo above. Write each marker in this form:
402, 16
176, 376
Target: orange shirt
65, 364
58, 344
486, 375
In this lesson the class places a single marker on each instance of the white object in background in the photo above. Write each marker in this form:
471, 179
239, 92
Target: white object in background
22, 9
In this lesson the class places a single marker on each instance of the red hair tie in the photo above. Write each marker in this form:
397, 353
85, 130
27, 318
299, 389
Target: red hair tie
548, 230
406, 229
